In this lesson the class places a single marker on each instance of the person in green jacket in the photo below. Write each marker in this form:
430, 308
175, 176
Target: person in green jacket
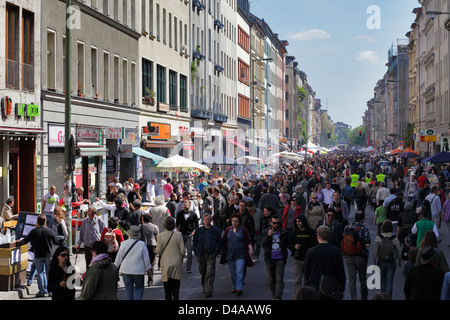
424, 224
355, 178
101, 279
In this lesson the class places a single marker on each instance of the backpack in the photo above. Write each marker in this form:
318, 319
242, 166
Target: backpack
351, 244
386, 249
111, 241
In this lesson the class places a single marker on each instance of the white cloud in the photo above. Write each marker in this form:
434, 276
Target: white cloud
365, 38
368, 56
309, 35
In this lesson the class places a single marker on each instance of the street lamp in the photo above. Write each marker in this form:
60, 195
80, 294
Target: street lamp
253, 94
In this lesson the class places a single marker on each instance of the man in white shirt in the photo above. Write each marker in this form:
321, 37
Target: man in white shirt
49, 202
382, 192
327, 194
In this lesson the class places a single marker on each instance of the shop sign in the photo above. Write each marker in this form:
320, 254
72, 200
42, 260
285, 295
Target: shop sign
131, 136
157, 131
88, 135
114, 133
24, 110
6, 106
56, 136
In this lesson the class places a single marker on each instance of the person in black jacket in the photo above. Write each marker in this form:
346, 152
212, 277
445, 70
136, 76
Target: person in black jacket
187, 223
41, 239
275, 244
59, 274
207, 245
330, 259
424, 281
301, 239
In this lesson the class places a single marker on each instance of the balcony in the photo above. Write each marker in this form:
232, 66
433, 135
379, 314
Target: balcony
197, 3
12, 74
218, 68
197, 55
27, 77
220, 118
218, 24
201, 113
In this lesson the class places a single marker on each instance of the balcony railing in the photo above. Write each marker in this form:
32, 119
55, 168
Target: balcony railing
27, 77
12, 74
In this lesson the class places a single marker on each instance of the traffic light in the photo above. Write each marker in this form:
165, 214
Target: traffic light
360, 133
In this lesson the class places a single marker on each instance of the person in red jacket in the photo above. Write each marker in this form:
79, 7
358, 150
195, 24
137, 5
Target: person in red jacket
421, 179
290, 212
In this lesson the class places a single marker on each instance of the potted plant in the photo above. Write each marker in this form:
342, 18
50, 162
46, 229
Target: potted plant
150, 96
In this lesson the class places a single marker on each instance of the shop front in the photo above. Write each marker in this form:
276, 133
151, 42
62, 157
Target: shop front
20, 161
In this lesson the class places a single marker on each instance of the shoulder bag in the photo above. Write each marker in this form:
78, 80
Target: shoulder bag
328, 286
160, 255
126, 253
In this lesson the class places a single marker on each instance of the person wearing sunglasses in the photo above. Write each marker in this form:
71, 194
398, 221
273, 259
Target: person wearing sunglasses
275, 245
58, 274
335, 226
314, 211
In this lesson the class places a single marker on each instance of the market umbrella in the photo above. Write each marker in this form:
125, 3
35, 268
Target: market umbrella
395, 151
250, 159
178, 163
408, 149
408, 155
443, 156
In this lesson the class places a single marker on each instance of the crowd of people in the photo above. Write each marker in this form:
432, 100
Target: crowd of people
303, 211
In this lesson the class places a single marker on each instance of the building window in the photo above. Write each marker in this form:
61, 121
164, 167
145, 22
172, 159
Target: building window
243, 39
158, 23
116, 79
133, 84
244, 107
244, 72
27, 51
81, 88
173, 89
150, 18
143, 17
51, 59
125, 12
125, 81
106, 7
161, 84
105, 76
183, 93
94, 72
147, 72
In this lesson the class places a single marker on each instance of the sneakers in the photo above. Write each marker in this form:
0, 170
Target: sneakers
40, 295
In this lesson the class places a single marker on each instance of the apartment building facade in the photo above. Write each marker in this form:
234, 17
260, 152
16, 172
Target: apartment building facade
21, 127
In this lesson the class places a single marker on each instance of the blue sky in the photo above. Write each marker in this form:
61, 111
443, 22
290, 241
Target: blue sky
342, 57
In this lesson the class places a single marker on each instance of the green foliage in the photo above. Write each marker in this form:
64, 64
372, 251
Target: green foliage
408, 136
355, 139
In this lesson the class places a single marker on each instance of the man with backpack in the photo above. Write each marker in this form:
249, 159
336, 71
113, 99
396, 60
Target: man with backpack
394, 208
385, 253
355, 248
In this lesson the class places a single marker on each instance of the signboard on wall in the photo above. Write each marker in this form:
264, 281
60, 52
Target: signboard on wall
157, 131
87, 134
56, 136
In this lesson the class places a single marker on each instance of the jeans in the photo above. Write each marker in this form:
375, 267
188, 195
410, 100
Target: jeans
42, 265
134, 286
356, 264
387, 270
275, 275
445, 293
32, 273
237, 272
188, 245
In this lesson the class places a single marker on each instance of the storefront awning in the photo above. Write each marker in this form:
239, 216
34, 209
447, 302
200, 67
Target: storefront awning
148, 155
92, 152
237, 144
159, 144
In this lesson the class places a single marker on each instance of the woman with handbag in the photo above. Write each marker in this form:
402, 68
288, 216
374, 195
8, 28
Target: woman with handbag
133, 262
171, 250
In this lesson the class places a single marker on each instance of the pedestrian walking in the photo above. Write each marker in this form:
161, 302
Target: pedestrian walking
59, 274
149, 231
187, 223
41, 238
302, 238
171, 250
102, 277
357, 262
275, 244
133, 262
90, 232
237, 250
207, 245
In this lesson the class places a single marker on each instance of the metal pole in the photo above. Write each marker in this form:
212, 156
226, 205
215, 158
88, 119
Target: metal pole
67, 137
